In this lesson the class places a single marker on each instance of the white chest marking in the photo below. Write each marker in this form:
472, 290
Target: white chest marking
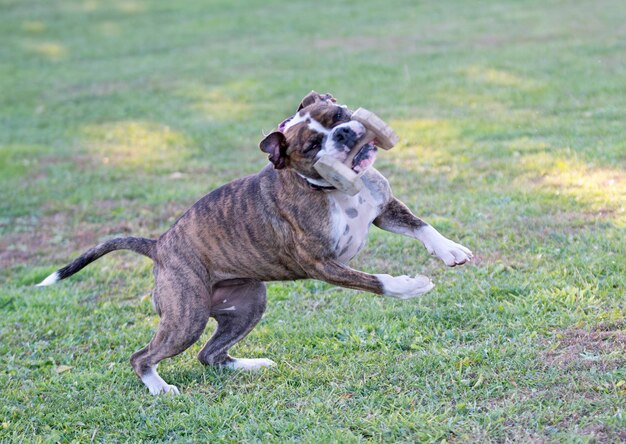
351, 218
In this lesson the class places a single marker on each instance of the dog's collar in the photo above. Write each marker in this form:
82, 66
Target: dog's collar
322, 188
317, 184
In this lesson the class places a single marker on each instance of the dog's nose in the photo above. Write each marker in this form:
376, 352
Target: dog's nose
345, 136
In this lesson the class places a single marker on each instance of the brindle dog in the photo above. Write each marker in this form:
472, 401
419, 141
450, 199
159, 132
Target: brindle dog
284, 223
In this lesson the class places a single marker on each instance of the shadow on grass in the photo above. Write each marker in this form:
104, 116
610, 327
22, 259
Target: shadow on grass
445, 159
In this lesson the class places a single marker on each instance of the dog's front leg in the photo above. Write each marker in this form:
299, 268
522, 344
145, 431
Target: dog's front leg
401, 287
397, 218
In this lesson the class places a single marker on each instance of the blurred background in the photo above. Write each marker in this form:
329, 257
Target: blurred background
115, 116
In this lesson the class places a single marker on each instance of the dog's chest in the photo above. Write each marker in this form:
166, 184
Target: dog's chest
350, 219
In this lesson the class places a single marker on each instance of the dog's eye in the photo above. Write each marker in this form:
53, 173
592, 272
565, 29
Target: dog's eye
313, 144
338, 115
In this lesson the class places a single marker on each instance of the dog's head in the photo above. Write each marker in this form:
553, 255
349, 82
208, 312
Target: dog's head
319, 127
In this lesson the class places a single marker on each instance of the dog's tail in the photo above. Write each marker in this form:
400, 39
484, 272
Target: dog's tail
140, 245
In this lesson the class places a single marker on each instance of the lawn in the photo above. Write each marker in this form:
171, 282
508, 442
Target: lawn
115, 116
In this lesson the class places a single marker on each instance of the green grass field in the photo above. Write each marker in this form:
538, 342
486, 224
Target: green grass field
115, 116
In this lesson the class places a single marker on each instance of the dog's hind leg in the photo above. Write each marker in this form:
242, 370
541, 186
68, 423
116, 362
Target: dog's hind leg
183, 304
237, 306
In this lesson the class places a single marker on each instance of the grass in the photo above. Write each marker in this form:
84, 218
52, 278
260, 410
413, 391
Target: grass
116, 116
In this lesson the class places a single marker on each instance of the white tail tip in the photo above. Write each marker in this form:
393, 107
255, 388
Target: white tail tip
54, 277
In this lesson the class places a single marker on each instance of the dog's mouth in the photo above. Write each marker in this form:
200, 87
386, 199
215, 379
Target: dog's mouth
364, 158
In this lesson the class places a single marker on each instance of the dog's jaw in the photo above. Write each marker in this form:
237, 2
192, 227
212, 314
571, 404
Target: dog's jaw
364, 158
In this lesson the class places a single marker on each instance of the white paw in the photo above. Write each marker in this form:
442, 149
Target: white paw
249, 364
156, 385
451, 253
405, 287
167, 388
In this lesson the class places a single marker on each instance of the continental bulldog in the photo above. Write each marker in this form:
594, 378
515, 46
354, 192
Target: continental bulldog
283, 223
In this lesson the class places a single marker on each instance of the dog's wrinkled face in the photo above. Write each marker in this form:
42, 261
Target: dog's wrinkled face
320, 127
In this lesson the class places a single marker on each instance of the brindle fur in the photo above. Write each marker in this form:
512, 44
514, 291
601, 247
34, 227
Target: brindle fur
271, 226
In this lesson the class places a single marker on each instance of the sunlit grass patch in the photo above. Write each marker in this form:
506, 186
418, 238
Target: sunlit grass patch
50, 50
109, 29
429, 146
34, 26
129, 6
599, 188
231, 102
499, 77
429, 131
137, 145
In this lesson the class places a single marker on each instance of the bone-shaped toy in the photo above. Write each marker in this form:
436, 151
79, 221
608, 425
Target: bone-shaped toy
340, 174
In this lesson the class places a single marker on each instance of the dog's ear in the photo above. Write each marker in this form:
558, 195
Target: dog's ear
275, 144
314, 97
